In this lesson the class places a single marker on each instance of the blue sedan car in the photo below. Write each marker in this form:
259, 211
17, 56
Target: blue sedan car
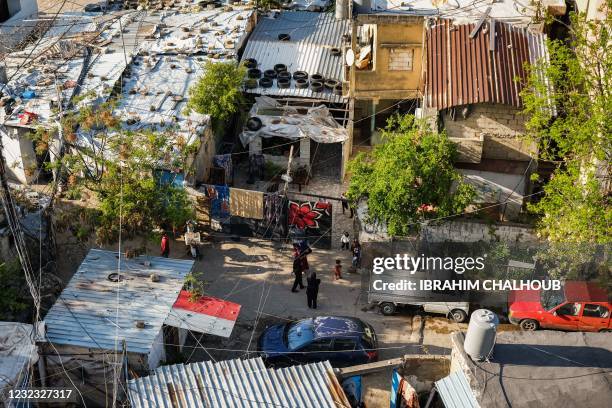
344, 341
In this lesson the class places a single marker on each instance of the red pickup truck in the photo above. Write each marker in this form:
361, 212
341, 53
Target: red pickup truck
578, 306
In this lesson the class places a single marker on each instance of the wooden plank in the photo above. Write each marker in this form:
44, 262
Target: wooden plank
480, 22
386, 364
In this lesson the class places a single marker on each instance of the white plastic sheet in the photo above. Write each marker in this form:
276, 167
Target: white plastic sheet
285, 121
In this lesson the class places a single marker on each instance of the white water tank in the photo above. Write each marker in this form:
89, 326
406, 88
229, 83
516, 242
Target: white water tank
480, 337
342, 9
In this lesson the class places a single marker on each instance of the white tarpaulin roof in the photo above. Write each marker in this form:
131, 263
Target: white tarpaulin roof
285, 121
18, 352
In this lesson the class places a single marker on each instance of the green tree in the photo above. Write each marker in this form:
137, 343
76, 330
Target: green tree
122, 172
218, 92
568, 101
409, 178
12, 285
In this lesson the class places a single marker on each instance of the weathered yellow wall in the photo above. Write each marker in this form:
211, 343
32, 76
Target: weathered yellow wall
382, 83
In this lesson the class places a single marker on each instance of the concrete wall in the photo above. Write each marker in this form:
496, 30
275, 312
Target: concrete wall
495, 187
19, 154
202, 161
474, 231
592, 9
158, 351
394, 39
500, 126
14, 30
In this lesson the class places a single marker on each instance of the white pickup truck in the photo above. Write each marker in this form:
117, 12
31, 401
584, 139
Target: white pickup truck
447, 304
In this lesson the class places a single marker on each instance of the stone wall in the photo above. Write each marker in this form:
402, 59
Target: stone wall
474, 231
500, 126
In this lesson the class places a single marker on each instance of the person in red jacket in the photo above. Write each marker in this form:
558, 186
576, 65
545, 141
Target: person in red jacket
165, 245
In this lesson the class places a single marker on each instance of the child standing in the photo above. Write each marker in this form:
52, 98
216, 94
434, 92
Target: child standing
345, 241
338, 270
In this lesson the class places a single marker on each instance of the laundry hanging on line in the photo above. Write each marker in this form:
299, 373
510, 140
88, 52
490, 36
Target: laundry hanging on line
224, 161
219, 197
247, 203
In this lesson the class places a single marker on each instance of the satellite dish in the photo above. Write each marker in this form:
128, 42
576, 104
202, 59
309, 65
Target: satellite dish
350, 57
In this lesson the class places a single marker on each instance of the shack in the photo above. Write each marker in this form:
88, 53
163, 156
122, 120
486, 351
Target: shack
113, 311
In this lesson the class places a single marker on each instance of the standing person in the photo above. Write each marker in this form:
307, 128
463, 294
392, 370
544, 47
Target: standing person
312, 289
356, 250
345, 241
338, 270
297, 271
165, 245
346, 205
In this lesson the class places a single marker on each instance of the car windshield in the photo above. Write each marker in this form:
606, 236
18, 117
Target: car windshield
551, 298
299, 334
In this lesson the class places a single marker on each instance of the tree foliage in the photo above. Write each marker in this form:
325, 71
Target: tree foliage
120, 167
409, 178
218, 92
12, 284
568, 103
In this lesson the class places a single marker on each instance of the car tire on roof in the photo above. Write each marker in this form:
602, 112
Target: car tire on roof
317, 77
280, 68
93, 8
529, 325
270, 73
331, 83
316, 86
301, 83
250, 63
284, 75
266, 82
338, 89
283, 82
250, 83
300, 75
254, 123
254, 73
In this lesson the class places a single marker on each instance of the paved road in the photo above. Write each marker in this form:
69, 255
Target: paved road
257, 274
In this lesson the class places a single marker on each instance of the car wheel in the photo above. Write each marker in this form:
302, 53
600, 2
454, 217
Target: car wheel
606, 331
387, 308
529, 325
459, 316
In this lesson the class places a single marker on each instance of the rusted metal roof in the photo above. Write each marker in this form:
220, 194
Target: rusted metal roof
463, 70
238, 383
312, 36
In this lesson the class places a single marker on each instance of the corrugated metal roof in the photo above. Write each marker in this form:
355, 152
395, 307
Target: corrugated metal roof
85, 314
238, 383
460, 11
312, 36
455, 391
462, 71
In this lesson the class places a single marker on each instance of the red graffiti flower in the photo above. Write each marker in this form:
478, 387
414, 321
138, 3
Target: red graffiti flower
325, 207
303, 216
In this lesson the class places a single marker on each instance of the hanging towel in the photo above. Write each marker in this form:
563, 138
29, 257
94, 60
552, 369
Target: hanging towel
247, 203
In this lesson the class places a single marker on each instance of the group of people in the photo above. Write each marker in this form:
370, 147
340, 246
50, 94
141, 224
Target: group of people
300, 266
355, 248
